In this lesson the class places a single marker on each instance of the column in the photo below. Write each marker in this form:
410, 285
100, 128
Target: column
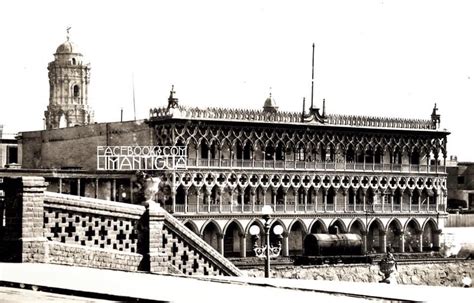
420, 240
285, 252
207, 195
382, 197
344, 195
198, 194
60, 185
274, 197
220, 243
364, 241
402, 241
315, 191
97, 189
419, 200
243, 245
219, 196
364, 192
410, 198
295, 199
325, 199
186, 200
242, 202
392, 193
253, 194
173, 199
114, 189
401, 199
231, 199
131, 189
383, 241
355, 199
79, 187
305, 197
284, 201
436, 236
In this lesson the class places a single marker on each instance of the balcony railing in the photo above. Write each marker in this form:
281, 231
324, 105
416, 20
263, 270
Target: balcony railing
304, 165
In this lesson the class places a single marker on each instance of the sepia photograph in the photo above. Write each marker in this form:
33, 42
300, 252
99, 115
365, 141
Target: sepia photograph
236, 151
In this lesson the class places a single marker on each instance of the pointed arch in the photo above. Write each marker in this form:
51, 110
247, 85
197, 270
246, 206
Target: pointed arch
239, 225
290, 226
354, 223
192, 226
209, 222
318, 226
337, 222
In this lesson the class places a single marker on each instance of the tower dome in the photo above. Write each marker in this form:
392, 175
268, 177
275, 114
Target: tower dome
270, 105
67, 48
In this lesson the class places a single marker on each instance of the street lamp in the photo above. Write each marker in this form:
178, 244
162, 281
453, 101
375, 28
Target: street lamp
266, 251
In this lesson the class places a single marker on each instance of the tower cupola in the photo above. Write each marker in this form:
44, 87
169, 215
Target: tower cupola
69, 78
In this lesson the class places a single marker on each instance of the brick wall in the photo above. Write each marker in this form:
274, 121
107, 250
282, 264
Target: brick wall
64, 229
52, 148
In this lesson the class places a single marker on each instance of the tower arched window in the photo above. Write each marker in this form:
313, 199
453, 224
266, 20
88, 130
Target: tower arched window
76, 90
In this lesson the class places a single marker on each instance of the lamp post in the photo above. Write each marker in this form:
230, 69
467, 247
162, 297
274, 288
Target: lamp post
266, 251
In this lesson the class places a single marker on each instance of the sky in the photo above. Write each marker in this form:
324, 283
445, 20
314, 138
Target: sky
377, 58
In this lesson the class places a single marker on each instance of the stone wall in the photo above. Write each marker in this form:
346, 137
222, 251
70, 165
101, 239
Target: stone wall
54, 148
435, 274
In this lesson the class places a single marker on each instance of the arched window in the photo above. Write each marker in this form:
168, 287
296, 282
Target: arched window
76, 90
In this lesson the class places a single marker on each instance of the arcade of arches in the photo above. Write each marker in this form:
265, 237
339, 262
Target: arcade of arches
232, 238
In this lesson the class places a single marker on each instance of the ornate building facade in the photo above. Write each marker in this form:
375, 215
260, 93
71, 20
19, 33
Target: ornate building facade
69, 78
383, 178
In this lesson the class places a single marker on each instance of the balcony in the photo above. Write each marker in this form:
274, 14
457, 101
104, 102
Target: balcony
312, 166
319, 208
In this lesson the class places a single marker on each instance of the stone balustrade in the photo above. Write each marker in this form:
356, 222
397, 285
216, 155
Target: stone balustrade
64, 229
213, 113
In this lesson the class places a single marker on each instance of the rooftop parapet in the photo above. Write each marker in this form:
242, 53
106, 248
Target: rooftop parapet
226, 114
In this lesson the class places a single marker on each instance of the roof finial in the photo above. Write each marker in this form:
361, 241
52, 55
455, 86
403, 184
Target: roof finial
172, 100
270, 91
67, 32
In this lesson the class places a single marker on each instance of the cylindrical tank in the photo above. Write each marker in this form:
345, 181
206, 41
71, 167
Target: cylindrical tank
332, 245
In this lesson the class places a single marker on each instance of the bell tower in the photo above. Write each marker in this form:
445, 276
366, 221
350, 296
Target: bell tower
69, 78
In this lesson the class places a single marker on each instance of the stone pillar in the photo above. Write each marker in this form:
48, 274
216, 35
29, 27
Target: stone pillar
316, 199
382, 197
131, 190
220, 243
154, 252
305, 198
410, 197
392, 193
344, 194
186, 199
364, 241
325, 198
284, 201
60, 185
295, 199
402, 242
79, 187
436, 235
24, 240
420, 240
243, 245
173, 199
96, 194
198, 194
285, 252
383, 241
114, 189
